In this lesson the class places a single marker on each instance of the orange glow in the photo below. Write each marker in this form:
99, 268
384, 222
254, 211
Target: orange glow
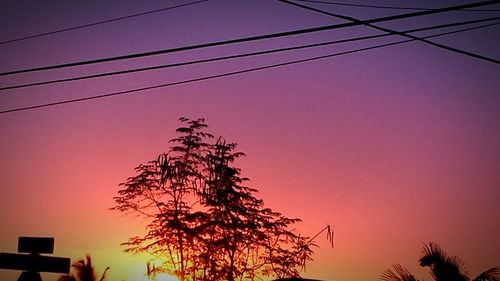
137, 272
165, 277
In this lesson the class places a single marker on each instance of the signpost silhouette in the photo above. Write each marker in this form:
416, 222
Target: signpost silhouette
31, 262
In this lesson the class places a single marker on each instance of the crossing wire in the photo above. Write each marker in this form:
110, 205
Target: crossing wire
388, 7
391, 31
99, 22
134, 70
254, 38
210, 77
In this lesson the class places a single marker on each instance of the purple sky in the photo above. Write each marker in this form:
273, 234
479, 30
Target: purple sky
392, 147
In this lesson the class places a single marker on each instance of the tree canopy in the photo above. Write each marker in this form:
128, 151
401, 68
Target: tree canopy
204, 220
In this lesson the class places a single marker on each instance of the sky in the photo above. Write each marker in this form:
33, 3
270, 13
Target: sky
392, 147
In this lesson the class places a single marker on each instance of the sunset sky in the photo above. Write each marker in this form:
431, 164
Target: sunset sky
392, 147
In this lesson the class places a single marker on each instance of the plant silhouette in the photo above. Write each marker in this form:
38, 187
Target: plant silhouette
83, 271
442, 268
205, 222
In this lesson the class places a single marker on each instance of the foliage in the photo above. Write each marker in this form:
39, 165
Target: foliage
162, 191
400, 273
442, 268
204, 220
83, 271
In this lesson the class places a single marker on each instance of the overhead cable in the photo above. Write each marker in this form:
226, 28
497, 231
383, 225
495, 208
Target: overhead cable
226, 74
99, 22
391, 31
388, 7
249, 54
253, 38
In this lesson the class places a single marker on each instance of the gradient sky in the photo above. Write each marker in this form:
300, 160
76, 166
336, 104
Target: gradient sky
392, 147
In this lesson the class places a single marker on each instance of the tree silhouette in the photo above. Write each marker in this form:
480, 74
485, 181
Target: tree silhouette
442, 268
400, 273
204, 220
162, 191
243, 234
83, 271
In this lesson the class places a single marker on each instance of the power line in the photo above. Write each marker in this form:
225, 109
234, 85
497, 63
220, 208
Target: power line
253, 38
389, 7
99, 22
127, 71
229, 73
391, 31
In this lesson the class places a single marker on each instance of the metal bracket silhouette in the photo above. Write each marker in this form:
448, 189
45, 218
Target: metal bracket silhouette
33, 263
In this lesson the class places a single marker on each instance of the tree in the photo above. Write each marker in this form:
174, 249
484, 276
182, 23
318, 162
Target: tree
204, 219
243, 234
233, 230
84, 271
442, 268
162, 191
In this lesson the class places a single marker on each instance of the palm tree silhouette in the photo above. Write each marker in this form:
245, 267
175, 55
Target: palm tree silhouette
442, 268
84, 271
400, 273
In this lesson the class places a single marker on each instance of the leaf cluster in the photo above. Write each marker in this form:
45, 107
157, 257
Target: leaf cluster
204, 221
442, 268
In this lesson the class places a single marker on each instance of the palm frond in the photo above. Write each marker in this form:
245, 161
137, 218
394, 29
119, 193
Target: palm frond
103, 276
457, 265
400, 273
84, 269
432, 254
492, 274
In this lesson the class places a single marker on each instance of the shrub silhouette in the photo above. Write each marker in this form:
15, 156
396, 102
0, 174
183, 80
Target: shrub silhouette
83, 271
442, 268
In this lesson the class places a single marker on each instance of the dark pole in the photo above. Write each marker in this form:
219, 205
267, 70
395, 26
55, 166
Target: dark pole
30, 276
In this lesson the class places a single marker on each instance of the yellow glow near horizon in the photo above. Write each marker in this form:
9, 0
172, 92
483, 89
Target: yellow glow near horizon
137, 272
159, 277
165, 277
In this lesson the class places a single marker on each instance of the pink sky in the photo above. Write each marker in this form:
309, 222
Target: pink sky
392, 147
